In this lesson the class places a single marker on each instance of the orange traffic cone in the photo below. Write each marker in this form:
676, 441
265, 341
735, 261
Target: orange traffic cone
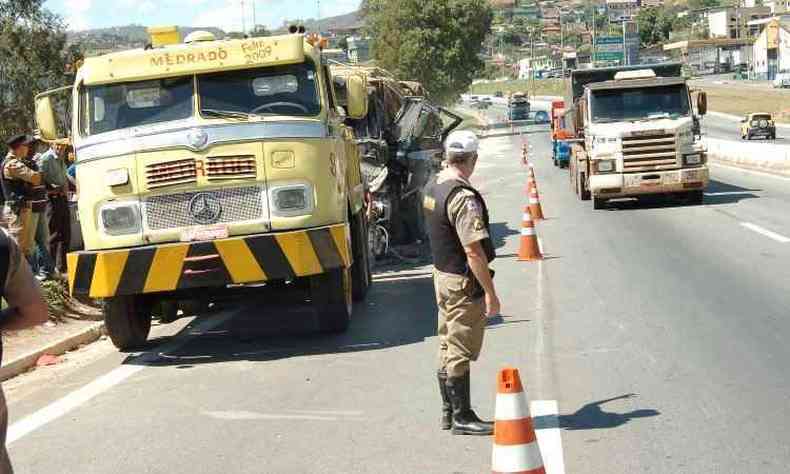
534, 202
516, 448
529, 248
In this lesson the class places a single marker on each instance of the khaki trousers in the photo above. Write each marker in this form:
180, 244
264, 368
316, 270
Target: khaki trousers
462, 323
22, 226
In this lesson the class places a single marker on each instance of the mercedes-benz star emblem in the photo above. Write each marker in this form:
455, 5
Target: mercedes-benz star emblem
198, 138
205, 208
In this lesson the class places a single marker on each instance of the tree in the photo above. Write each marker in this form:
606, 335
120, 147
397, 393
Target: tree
655, 24
33, 58
435, 42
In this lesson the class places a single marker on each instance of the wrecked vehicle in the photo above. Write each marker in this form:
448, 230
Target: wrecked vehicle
401, 143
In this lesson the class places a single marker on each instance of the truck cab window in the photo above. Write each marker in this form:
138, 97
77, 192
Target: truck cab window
282, 90
134, 104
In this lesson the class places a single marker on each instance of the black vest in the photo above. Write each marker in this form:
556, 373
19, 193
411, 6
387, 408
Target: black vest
17, 192
448, 252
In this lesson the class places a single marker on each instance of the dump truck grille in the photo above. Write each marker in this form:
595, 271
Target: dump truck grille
230, 167
230, 205
649, 152
171, 172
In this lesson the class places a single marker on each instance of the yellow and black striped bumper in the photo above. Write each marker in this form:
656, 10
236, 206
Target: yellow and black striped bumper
247, 259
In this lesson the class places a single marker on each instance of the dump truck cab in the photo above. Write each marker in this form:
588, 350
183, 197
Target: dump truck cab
209, 165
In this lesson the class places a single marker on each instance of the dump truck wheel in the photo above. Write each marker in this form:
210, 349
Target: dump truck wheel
332, 298
360, 271
599, 203
128, 321
584, 194
696, 197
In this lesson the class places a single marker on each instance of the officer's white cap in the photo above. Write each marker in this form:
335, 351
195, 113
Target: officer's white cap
462, 141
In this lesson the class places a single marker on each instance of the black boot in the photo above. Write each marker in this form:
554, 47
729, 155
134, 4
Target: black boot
447, 408
465, 421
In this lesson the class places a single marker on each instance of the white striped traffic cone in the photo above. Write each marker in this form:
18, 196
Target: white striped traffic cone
534, 201
528, 248
516, 448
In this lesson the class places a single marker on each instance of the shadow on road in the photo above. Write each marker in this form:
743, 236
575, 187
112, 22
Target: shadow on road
717, 193
592, 416
500, 231
398, 311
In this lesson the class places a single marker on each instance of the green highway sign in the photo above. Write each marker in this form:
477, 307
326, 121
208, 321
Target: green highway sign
609, 56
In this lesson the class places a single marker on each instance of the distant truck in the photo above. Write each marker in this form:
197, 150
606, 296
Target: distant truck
561, 149
517, 107
635, 133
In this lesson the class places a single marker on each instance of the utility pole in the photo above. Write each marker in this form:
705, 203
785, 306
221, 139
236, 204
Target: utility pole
254, 20
562, 46
595, 9
318, 18
243, 20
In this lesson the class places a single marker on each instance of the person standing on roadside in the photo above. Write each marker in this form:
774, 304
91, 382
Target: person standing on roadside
461, 245
25, 194
26, 308
53, 168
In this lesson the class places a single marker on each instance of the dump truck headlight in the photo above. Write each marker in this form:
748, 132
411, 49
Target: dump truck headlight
120, 218
605, 166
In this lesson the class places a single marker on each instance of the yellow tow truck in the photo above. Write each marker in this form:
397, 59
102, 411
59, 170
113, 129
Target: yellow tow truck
207, 166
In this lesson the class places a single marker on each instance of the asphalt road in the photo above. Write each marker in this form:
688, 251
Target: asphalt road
660, 330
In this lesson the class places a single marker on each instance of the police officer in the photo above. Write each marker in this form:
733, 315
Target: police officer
26, 308
461, 244
24, 192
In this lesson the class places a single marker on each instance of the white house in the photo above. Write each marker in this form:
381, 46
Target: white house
771, 51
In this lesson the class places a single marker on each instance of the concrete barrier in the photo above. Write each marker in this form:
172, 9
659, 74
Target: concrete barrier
760, 156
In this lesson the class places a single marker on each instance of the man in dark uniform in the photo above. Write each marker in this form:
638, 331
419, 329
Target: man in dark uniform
25, 194
458, 227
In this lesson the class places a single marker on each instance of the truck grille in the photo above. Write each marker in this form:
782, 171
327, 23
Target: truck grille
173, 210
230, 167
649, 152
171, 172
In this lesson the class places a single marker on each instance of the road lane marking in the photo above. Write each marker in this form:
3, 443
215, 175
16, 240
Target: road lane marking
547, 430
771, 235
731, 193
73, 400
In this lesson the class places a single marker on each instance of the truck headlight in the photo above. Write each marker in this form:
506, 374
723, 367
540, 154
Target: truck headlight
120, 218
292, 200
694, 159
605, 166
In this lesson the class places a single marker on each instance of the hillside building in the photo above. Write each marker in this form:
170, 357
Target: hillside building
771, 51
733, 23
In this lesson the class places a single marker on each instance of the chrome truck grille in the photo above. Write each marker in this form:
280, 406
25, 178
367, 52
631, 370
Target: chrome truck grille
176, 210
649, 152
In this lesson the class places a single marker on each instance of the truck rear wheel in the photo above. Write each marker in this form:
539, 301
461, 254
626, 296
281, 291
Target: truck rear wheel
332, 294
360, 271
128, 320
696, 197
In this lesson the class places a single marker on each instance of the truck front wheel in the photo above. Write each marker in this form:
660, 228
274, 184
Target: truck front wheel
582, 191
331, 297
128, 320
599, 203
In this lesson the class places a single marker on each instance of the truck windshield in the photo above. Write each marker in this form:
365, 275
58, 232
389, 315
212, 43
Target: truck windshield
639, 104
283, 90
131, 104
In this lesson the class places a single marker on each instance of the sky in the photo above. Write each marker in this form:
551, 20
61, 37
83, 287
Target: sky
225, 14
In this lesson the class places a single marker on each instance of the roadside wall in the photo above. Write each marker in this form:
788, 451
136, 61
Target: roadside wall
767, 157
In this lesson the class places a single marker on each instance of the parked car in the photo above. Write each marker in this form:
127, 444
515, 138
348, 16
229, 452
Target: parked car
782, 80
758, 125
541, 116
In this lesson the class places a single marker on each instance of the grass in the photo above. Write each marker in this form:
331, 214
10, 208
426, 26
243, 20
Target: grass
541, 87
732, 99
470, 121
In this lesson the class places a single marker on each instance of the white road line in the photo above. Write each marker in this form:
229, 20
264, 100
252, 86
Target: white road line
771, 235
84, 394
731, 193
548, 434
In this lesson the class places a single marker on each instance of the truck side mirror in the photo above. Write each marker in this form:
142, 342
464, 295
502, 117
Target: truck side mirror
357, 98
45, 118
702, 103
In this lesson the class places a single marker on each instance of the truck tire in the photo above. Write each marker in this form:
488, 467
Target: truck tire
128, 320
361, 274
194, 307
599, 203
696, 198
582, 191
332, 298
